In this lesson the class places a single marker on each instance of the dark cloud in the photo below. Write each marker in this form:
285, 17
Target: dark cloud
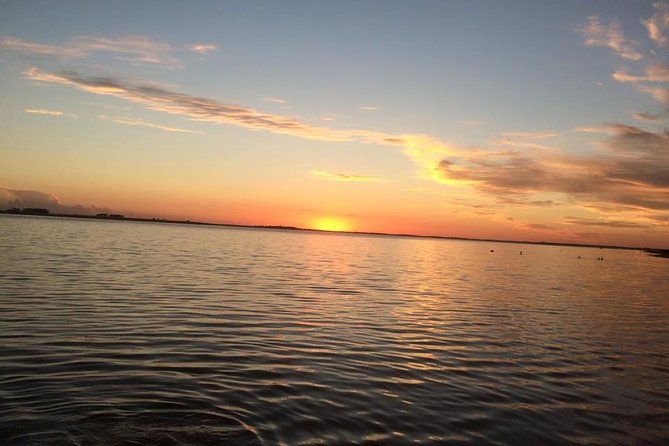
664, 219
540, 226
418, 146
632, 170
644, 116
203, 109
543, 203
609, 223
643, 156
516, 173
21, 198
197, 108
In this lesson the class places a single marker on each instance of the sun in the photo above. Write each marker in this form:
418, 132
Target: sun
331, 224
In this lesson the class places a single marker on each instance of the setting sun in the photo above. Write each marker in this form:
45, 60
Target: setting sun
331, 224
298, 222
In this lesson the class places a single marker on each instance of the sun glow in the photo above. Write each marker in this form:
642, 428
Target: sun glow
331, 224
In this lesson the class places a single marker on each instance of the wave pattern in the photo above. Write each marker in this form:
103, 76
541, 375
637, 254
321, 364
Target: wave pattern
119, 333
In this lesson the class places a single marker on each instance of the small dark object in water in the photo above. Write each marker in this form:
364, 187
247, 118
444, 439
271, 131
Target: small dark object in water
492, 250
521, 253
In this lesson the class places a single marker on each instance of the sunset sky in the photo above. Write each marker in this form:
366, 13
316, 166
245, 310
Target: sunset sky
527, 120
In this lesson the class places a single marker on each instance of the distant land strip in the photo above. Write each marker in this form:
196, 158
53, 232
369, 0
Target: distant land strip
38, 212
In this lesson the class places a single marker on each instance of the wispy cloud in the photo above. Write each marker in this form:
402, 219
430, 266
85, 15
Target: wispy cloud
526, 140
422, 148
73, 50
593, 129
658, 23
540, 226
632, 170
530, 135
41, 111
644, 116
202, 48
369, 108
655, 72
660, 94
334, 176
274, 100
603, 222
598, 34
133, 49
139, 123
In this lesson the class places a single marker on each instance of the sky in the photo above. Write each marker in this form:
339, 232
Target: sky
516, 120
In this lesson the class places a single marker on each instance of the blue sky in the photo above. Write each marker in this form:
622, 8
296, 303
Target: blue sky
473, 79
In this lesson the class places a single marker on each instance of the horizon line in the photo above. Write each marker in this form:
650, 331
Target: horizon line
121, 217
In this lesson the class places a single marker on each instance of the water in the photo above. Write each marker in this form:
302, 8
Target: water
123, 333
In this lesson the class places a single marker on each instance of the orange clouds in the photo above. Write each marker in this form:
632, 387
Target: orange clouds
632, 174
658, 23
133, 49
655, 72
598, 34
208, 110
203, 48
631, 171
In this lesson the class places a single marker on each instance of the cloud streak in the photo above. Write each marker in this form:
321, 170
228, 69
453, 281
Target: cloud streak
334, 176
644, 116
139, 123
591, 129
660, 94
603, 222
133, 49
203, 48
658, 24
422, 148
633, 171
42, 111
274, 100
655, 72
530, 135
598, 34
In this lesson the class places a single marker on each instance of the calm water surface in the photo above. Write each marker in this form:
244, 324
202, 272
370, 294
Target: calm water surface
122, 333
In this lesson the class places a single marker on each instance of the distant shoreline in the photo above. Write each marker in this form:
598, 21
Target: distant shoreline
116, 217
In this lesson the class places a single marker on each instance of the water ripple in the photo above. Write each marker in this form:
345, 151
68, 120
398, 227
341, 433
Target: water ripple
117, 333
